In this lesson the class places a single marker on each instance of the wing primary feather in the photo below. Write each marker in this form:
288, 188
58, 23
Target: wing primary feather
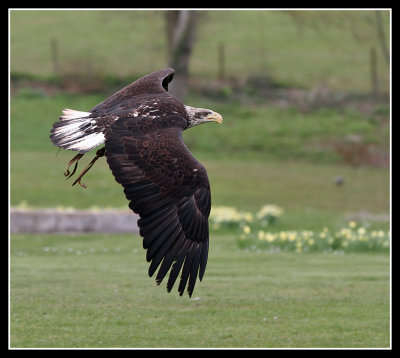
158, 236
203, 259
158, 231
146, 210
195, 269
186, 269
167, 243
137, 190
153, 218
190, 228
196, 229
203, 232
176, 267
169, 257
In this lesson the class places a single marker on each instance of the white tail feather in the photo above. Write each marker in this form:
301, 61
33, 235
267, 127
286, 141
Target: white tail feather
72, 114
76, 131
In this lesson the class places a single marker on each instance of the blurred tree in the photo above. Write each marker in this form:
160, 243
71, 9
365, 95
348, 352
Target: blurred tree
181, 31
381, 36
365, 25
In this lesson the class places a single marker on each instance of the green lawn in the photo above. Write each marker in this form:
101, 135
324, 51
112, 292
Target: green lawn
93, 291
306, 192
259, 155
260, 131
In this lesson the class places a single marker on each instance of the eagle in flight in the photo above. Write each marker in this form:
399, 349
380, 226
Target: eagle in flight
141, 128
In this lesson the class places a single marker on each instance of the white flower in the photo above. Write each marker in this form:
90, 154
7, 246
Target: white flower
269, 210
228, 214
246, 229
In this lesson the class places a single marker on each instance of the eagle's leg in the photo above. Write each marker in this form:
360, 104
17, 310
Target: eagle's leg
99, 153
72, 161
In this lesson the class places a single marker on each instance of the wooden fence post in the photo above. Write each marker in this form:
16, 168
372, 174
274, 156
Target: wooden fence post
54, 55
374, 73
221, 61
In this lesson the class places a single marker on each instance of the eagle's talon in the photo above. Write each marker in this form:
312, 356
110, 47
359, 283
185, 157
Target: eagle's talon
73, 172
79, 182
72, 161
99, 153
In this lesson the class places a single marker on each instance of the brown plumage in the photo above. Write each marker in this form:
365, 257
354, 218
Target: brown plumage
141, 126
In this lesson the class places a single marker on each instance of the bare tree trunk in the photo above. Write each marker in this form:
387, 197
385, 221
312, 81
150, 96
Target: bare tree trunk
381, 35
181, 29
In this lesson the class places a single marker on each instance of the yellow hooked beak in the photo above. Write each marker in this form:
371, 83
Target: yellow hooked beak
215, 117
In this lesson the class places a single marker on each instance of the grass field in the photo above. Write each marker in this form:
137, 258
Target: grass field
93, 291
319, 203
245, 158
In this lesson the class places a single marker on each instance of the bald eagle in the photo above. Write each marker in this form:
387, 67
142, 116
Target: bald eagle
141, 128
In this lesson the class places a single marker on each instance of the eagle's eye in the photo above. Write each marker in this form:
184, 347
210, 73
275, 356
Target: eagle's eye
203, 114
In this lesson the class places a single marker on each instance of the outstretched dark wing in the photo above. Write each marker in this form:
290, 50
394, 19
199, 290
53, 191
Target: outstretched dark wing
170, 191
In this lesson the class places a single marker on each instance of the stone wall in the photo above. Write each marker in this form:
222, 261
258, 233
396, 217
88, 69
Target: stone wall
74, 221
